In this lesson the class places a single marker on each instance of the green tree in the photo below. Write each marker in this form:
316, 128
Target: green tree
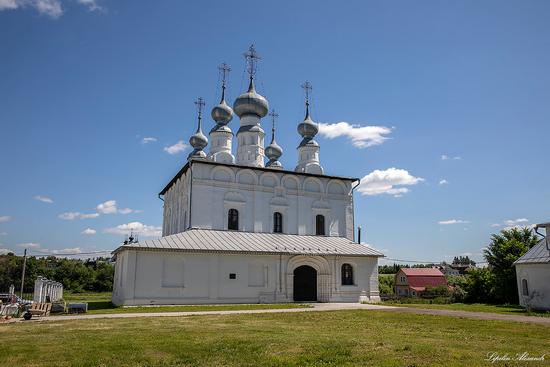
386, 283
463, 260
479, 286
505, 248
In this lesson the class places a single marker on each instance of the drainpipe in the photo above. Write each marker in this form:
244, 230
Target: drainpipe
359, 235
190, 192
353, 204
544, 236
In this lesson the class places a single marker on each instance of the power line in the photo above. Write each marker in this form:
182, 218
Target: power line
44, 253
424, 262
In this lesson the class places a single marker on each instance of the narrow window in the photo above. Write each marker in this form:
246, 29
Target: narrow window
277, 222
233, 219
347, 274
524, 287
320, 225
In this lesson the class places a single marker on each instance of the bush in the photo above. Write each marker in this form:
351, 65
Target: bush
386, 283
75, 275
479, 286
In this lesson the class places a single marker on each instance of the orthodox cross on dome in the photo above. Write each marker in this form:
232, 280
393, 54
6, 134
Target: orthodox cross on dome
274, 116
200, 104
306, 86
252, 58
224, 70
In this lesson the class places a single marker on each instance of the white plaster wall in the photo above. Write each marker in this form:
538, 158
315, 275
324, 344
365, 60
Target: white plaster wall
538, 280
170, 277
257, 194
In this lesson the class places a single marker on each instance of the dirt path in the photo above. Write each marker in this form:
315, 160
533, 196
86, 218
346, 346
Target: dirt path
317, 307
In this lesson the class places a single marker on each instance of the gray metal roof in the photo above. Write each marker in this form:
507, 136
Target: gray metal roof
537, 254
209, 240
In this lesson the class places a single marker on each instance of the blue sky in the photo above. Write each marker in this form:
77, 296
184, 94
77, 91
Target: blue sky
456, 94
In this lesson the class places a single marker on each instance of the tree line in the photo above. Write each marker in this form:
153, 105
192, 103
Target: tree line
496, 283
76, 275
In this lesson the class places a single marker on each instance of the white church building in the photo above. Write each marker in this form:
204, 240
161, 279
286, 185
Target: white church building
243, 229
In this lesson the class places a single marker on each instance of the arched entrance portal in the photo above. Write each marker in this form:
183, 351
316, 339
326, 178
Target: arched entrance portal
305, 283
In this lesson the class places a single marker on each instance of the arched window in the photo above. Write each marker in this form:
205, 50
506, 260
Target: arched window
277, 222
524, 287
320, 225
233, 219
347, 274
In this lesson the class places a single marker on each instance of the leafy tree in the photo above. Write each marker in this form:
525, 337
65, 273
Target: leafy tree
386, 283
479, 286
505, 248
463, 260
75, 275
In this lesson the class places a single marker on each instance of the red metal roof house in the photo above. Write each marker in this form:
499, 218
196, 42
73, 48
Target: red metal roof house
410, 282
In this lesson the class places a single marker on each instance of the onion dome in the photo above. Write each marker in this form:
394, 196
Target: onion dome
273, 151
198, 140
308, 128
222, 113
251, 103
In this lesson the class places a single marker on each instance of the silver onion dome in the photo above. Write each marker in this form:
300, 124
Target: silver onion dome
198, 140
273, 151
308, 128
222, 113
251, 103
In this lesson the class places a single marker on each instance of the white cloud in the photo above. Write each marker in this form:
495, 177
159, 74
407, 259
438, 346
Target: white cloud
73, 250
137, 227
92, 5
4, 218
515, 222
389, 182
452, 221
4, 251
179, 147
9, 4
443, 182
128, 211
51, 8
43, 199
148, 140
29, 245
108, 207
3, 233
360, 136
89, 231
77, 215
512, 223
445, 157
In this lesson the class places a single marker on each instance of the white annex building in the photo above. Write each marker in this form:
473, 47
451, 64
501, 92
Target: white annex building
533, 273
239, 230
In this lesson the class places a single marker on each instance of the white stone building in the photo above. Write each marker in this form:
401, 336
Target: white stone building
533, 273
239, 230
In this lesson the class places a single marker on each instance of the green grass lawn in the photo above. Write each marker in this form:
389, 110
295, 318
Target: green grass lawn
340, 338
100, 303
475, 307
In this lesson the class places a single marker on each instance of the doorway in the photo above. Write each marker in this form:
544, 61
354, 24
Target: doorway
305, 284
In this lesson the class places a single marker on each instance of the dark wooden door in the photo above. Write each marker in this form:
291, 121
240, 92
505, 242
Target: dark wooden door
305, 284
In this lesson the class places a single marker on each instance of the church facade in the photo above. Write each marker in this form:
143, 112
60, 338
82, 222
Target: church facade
243, 229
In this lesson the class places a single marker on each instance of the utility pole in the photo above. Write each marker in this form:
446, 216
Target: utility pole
23, 275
